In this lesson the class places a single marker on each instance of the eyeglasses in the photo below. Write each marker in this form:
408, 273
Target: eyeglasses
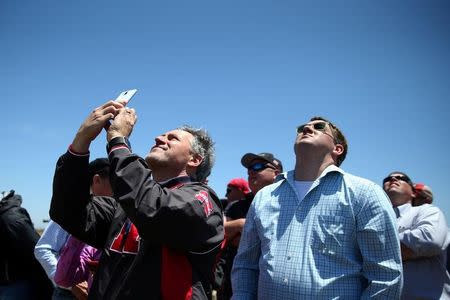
228, 191
317, 126
396, 177
260, 166
321, 126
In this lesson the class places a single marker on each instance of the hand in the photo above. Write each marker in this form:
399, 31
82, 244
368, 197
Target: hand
123, 123
233, 228
94, 124
407, 253
235, 240
80, 290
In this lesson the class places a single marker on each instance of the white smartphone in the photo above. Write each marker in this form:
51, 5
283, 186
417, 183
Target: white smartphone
126, 96
123, 98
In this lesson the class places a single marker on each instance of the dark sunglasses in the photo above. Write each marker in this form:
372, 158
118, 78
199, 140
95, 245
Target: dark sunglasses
397, 177
317, 126
228, 191
260, 166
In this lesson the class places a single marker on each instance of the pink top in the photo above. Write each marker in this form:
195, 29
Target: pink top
73, 264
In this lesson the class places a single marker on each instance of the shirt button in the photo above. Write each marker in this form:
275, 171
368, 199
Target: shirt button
285, 280
288, 257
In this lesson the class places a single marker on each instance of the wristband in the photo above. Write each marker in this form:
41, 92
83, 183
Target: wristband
118, 141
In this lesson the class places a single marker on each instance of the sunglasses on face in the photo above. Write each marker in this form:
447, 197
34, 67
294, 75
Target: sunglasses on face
317, 126
260, 166
397, 177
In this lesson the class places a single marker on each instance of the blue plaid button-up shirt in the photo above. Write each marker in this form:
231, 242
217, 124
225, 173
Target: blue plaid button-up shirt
339, 242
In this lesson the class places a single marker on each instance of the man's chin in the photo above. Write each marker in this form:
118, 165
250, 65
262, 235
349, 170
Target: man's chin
149, 159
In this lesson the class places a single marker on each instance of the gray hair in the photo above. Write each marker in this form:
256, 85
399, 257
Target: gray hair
203, 145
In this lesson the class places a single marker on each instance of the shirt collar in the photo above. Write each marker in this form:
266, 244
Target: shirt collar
402, 209
289, 176
175, 181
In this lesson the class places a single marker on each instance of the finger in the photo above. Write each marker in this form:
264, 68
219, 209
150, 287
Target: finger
129, 110
106, 117
123, 102
109, 110
111, 103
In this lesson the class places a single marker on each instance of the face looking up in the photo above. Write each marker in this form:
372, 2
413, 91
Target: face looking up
172, 149
261, 173
398, 188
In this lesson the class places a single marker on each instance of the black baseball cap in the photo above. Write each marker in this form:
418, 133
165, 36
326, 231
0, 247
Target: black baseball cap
248, 158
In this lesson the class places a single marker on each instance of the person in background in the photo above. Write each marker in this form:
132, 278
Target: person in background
77, 259
21, 275
422, 194
237, 189
47, 251
318, 232
424, 238
76, 266
161, 232
262, 169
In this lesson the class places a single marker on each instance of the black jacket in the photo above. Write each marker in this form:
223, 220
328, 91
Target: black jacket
159, 241
17, 261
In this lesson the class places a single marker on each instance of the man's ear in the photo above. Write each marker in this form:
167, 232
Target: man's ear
338, 149
195, 160
95, 183
96, 179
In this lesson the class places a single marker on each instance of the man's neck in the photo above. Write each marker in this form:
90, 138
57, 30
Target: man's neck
400, 201
161, 176
310, 170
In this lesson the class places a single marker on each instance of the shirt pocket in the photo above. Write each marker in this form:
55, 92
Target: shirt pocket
329, 234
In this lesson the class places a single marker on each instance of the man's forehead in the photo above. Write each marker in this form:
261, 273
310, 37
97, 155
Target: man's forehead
179, 133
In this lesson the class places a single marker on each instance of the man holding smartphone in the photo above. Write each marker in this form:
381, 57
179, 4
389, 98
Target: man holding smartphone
162, 230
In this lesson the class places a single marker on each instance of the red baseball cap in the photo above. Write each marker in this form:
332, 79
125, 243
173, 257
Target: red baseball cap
423, 190
240, 184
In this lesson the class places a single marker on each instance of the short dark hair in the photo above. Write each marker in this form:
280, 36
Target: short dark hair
99, 166
338, 136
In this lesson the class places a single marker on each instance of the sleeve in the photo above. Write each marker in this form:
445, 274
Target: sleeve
84, 216
49, 246
22, 236
429, 234
72, 266
245, 271
186, 218
379, 245
234, 211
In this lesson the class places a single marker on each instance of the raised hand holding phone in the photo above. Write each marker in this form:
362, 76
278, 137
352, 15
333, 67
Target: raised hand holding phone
123, 98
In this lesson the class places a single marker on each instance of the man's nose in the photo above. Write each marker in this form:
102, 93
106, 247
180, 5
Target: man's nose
308, 128
159, 140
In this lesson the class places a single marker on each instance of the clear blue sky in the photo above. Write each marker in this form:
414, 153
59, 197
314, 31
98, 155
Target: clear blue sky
247, 71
